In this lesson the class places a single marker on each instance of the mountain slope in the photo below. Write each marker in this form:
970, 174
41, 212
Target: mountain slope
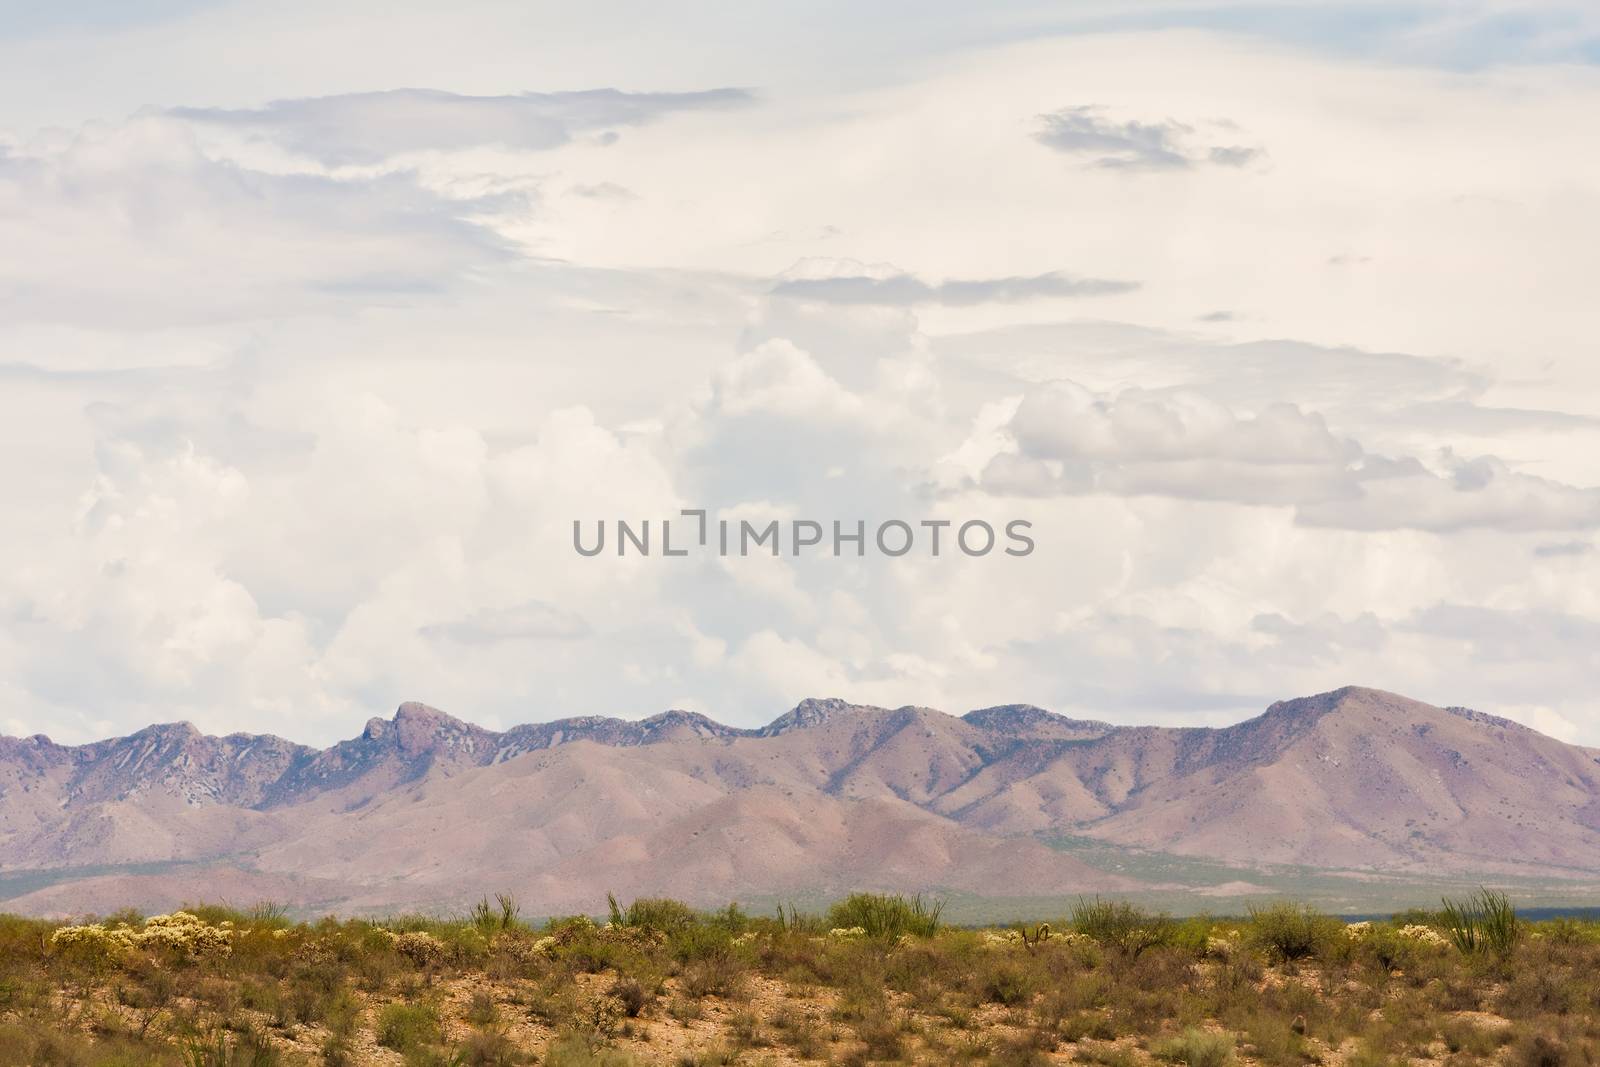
1361, 778
425, 809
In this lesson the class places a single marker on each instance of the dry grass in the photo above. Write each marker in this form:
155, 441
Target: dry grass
664, 984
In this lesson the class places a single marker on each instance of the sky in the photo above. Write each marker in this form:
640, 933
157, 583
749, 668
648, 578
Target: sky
320, 325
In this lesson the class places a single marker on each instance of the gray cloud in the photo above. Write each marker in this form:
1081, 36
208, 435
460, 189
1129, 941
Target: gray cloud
1515, 637
1479, 493
532, 621
1073, 441
372, 127
901, 290
1082, 131
1563, 549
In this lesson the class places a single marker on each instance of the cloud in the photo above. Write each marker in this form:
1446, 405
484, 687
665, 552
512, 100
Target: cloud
1065, 421
1351, 385
136, 227
532, 621
1082, 131
1469, 494
1070, 440
1563, 549
293, 440
903, 290
778, 379
363, 128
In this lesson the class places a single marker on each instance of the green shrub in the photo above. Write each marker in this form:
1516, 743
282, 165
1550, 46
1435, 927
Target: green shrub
248, 1049
1196, 1048
887, 917
660, 914
1567, 931
1292, 931
1485, 922
501, 915
408, 1027
1122, 926
579, 1050
1007, 981
694, 942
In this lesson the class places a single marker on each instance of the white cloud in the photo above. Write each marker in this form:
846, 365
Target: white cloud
301, 399
1064, 438
134, 227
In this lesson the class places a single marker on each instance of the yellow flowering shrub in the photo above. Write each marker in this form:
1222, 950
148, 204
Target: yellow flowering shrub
181, 933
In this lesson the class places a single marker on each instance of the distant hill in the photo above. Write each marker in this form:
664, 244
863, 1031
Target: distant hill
425, 810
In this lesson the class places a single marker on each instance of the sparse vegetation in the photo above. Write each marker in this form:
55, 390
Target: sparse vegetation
876, 979
1485, 922
1287, 931
1122, 926
886, 917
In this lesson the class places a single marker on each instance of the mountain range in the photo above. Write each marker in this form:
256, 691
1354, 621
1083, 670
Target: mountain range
427, 811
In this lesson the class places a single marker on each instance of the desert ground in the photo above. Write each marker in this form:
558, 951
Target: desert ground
875, 979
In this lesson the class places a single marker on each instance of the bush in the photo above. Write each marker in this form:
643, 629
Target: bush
1007, 981
632, 994
1196, 1048
886, 917
578, 1050
1483, 923
1122, 926
660, 914
501, 915
1292, 931
409, 1027
248, 1049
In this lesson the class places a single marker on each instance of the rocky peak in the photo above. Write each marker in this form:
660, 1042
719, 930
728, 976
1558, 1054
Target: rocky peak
676, 724
1022, 719
808, 713
420, 729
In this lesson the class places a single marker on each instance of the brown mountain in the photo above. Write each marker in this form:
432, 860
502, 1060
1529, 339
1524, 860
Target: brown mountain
426, 810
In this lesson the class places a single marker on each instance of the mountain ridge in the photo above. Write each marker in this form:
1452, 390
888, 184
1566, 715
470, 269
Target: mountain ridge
829, 795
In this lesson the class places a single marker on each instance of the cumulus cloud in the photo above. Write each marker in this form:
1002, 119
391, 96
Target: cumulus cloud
1065, 421
1084, 131
1468, 494
293, 440
360, 128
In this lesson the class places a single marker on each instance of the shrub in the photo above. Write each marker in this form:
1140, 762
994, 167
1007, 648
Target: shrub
1539, 1050
578, 1050
1122, 926
1007, 981
1196, 1048
632, 995
1483, 923
886, 917
501, 915
659, 914
488, 1048
689, 944
1291, 931
421, 948
409, 1027
719, 976
248, 1049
